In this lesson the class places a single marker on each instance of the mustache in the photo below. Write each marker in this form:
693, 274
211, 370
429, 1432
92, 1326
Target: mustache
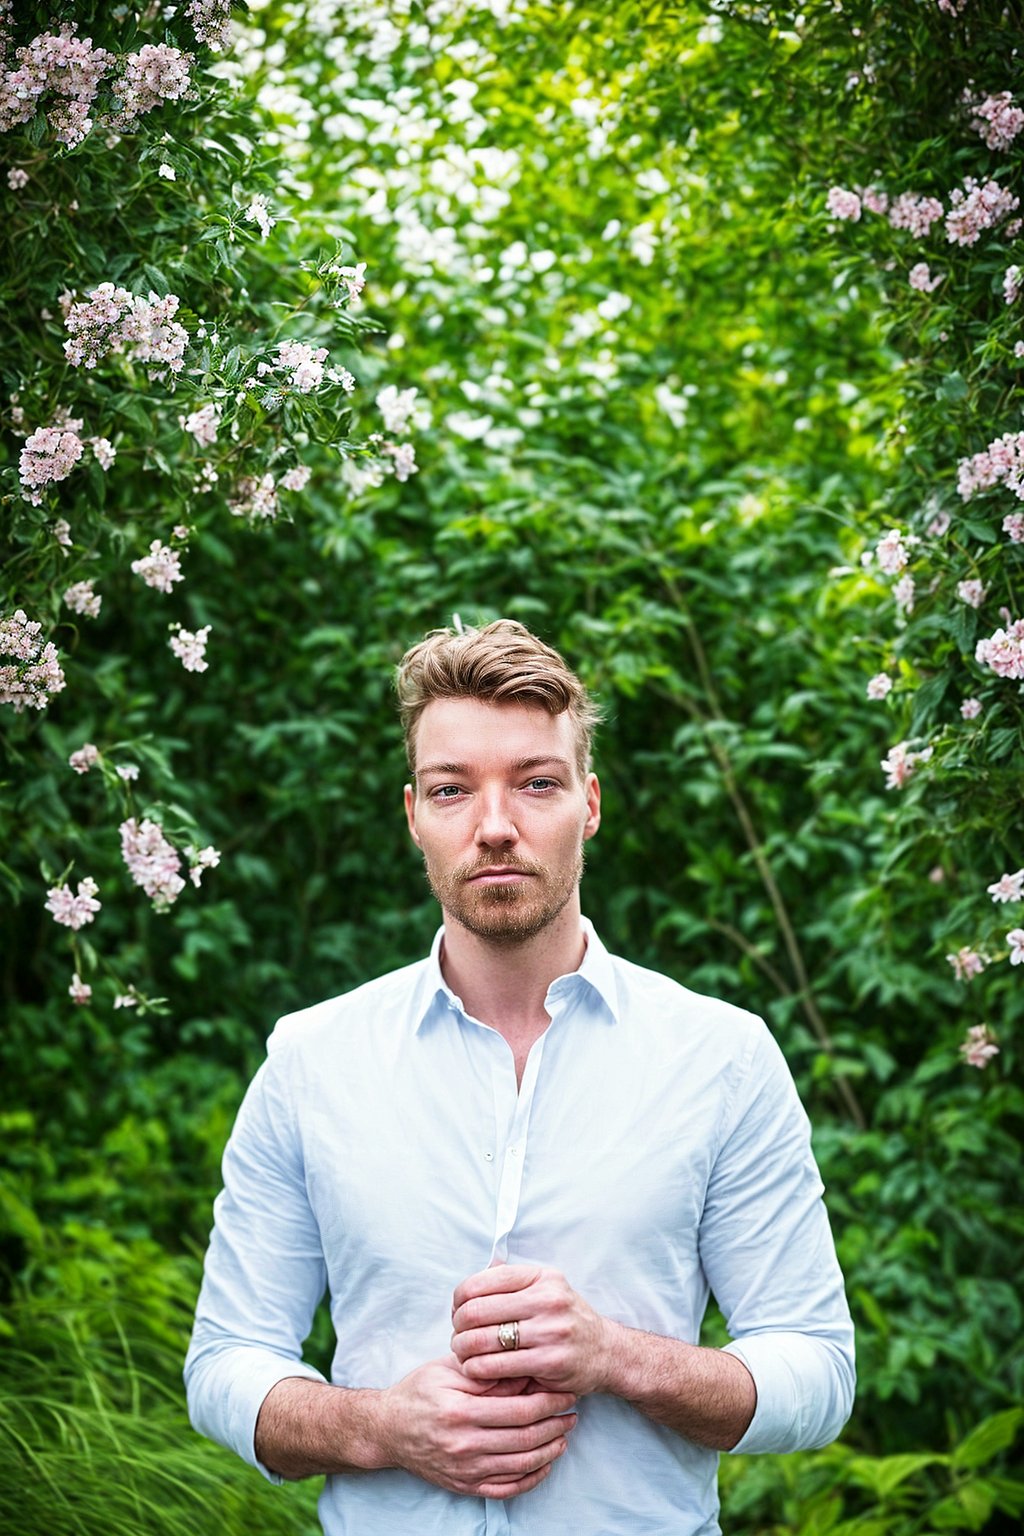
505, 861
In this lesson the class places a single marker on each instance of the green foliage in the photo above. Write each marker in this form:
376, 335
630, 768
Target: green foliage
663, 405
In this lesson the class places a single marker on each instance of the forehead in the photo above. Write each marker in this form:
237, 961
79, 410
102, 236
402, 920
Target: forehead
481, 734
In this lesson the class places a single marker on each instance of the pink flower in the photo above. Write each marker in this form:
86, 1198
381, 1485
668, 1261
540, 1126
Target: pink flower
879, 686
306, 363
874, 199
295, 479
82, 599
970, 709
152, 861
1018, 349
129, 999
114, 320
939, 525
50, 454
915, 214
1003, 651
255, 498
17, 178
975, 208
971, 592
155, 74
211, 22
62, 532
73, 911
190, 648
921, 278
842, 204
161, 568
1008, 887
903, 592
1013, 526
899, 764
1011, 285
201, 859
203, 424
966, 963
79, 990
404, 456
85, 758
129, 772
892, 552
35, 675
1015, 939
1001, 461
979, 1047
995, 118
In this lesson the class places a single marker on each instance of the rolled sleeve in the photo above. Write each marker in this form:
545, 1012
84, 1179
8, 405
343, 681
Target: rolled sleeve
264, 1273
768, 1253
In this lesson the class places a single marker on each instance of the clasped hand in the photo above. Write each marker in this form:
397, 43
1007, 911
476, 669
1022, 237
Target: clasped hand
563, 1342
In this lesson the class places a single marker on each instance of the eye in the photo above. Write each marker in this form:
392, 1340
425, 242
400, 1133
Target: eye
445, 792
541, 784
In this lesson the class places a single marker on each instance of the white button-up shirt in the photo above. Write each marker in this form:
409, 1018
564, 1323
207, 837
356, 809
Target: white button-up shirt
655, 1150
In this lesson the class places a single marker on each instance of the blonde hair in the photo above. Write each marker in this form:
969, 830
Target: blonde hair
502, 663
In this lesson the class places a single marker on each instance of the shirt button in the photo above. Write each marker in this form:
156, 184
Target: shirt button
489, 1156
513, 1151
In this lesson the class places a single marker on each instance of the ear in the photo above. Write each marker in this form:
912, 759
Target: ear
410, 813
592, 791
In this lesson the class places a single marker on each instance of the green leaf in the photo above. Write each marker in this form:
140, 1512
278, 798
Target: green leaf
989, 1438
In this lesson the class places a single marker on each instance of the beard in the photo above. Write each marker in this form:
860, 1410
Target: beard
506, 914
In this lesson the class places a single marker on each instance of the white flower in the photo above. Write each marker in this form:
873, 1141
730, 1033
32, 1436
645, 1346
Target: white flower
167, 172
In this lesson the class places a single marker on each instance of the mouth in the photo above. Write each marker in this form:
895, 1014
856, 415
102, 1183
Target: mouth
499, 874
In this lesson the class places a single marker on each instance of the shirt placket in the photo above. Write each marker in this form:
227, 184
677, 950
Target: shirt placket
509, 1193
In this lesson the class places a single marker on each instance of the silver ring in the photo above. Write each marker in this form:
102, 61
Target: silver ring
508, 1335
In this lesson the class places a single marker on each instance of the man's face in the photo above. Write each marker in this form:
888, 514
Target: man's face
501, 814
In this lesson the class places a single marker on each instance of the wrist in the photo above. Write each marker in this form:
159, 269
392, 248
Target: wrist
364, 1413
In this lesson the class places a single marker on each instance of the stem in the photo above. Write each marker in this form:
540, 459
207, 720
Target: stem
803, 990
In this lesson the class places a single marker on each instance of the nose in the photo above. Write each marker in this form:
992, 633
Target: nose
495, 826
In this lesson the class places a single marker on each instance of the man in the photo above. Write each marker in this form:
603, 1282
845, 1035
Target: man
518, 1166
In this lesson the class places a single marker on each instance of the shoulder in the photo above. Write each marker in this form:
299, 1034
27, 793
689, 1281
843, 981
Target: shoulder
652, 999
387, 999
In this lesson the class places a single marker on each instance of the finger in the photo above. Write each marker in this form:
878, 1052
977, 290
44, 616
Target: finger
491, 1412
500, 1278
485, 1341
505, 1490
488, 1311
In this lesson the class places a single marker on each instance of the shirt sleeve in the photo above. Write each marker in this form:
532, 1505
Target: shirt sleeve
768, 1254
264, 1273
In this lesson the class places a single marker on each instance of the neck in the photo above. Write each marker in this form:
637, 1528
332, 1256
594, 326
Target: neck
504, 985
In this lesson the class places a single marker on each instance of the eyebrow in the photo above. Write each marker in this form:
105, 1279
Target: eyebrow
520, 765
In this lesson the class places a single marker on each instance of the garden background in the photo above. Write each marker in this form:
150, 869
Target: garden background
691, 336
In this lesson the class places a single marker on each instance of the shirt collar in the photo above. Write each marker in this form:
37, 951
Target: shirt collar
596, 971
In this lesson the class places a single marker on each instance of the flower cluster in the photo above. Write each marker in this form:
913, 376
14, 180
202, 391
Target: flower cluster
48, 455
403, 456
879, 686
1008, 887
1013, 527
296, 478
914, 213
306, 363
79, 990
74, 911
398, 408
255, 497
152, 861
1001, 462
975, 208
995, 118
211, 22
1004, 651
258, 212
113, 320
200, 860
190, 648
155, 74
85, 758
35, 674
892, 552
920, 277
81, 598
966, 963
203, 424
60, 64
899, 764
979, 1047
971, 592
161, 568
843, 204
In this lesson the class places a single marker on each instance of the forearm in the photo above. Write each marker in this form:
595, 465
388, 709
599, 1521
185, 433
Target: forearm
703, 1394
308, 1429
